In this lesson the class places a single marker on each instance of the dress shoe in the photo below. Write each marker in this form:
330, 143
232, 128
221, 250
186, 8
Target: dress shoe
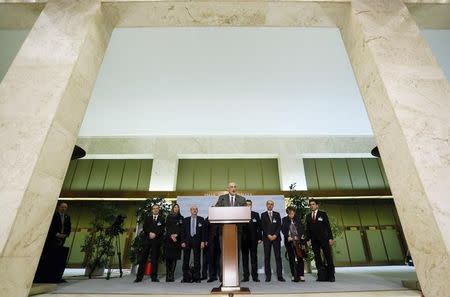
267, 279
281, 279
212, 280
256, 280
185, 281
332, 279
203, 278
245, 279
198, 281
138, 280
155, 280
296, 280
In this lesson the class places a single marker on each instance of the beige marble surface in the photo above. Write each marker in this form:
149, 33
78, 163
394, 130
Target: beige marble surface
18, 14
43, 97
408, 101
166, 151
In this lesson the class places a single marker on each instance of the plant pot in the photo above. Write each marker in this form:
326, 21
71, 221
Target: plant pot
308, 268
97, 272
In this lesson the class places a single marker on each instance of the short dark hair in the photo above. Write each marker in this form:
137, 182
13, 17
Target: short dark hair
289, 209
313, 200
248, 200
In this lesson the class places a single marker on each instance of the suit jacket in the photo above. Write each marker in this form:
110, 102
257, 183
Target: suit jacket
56, 224
200, 230
224, 200
174, 224
271, 227
252, 231
156, 227
285, 227
320, 229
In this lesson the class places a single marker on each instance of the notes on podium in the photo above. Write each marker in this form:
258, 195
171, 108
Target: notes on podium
230, 217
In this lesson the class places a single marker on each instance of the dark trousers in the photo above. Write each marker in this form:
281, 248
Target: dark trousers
276, 244
296, 264
214, 255
249, 247
171, 264
205, 262
323, 245
151, 247
195, 246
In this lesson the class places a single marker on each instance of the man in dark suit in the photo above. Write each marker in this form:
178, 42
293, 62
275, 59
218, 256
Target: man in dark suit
319, 235
271, 226
52, 262
250, 237
153, 236
205, 251
214, 253
60, 227
231, 199
193, 238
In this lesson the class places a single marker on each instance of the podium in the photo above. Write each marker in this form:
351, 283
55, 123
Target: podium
230, 217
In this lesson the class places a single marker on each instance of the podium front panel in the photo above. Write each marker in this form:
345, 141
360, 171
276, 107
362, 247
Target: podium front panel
229, 214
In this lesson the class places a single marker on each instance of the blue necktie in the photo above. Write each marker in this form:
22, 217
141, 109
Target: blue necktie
193, 225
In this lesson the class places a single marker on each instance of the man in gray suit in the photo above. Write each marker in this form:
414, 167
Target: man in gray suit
231, 199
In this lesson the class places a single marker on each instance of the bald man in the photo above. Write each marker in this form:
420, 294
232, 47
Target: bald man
193, 237
232, 198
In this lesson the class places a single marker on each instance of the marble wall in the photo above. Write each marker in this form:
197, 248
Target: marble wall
166, 151
408, 101
44, 94
43, 97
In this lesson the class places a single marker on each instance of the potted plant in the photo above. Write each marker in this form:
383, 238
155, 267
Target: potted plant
98, 245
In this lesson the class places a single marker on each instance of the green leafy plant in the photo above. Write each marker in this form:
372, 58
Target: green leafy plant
98, 245
142, 213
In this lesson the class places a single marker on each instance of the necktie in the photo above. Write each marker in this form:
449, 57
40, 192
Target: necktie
270, 216
232, 200
193, 225
154, 218
314, 217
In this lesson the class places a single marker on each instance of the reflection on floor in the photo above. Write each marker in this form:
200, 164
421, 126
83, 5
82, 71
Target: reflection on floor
349, 279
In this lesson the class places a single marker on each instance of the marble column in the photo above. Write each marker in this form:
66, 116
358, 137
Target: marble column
408, 101
291, 170
164, 172
43, 98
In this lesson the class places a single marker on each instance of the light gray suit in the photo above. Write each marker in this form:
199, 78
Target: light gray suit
224, 200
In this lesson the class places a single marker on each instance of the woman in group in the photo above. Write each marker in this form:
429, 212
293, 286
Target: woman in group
174, 222
294, 241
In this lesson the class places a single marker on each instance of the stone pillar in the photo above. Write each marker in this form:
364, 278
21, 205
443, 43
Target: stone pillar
291, 171
408, 101
164, 172
43, 98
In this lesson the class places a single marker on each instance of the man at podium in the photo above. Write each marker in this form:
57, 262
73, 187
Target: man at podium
231, 199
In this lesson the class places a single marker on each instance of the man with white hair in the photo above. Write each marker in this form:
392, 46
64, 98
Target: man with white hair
193, 238
232, 198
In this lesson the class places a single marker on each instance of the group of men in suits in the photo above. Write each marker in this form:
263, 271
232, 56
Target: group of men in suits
197, 235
